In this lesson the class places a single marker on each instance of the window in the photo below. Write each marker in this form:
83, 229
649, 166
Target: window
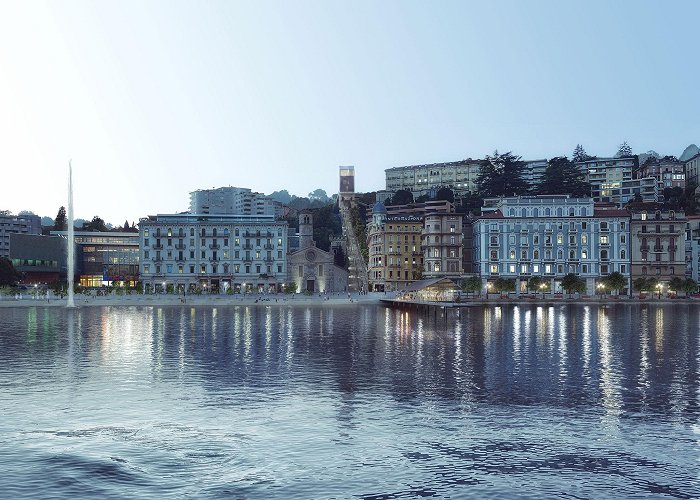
511, 254
494, 268
145, 233
560, 239
536, 254
623, 268
437, 267
511, 268
180, 269
192, 269
584, 239
523, 268
584, 268
146, 268
603, 239
203, 269
535, 268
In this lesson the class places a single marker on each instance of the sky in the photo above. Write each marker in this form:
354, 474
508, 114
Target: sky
153, 99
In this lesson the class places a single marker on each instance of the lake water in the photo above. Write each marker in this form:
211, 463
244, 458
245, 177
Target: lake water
353, 401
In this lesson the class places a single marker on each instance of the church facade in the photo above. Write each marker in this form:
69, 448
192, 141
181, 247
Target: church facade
312, 269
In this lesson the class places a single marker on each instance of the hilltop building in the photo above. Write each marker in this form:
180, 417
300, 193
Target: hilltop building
19, 224
232, 201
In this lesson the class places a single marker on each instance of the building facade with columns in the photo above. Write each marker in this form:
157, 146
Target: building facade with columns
214, 253
314, 270
549, 237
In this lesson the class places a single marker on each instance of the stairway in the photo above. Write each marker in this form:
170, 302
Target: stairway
357, 280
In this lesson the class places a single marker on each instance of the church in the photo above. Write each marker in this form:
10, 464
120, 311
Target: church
312, 269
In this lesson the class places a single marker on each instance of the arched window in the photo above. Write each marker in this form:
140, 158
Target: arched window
572, 254
560, 254
512, 212
571, 212
623, 254
536, 254
604, 254
535, 212
673, 216
584, 212
560, 212
547, 212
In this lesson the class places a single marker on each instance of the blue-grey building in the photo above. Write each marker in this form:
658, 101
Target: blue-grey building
550, 237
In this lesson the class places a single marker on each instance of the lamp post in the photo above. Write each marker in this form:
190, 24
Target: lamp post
164, 288
659, 287
601, 287
542, 287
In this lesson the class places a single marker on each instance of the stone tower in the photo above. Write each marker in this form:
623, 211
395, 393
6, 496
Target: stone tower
306, 230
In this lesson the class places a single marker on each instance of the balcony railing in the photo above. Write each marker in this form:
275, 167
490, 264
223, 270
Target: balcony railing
214, 246
180, 247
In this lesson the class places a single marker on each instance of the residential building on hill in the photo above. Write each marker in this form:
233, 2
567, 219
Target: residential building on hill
612, 180
668, 171
22, 224
460, 176
549, 237
232, 201
691, 161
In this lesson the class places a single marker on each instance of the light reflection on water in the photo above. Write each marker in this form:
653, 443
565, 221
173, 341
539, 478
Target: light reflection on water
351, 401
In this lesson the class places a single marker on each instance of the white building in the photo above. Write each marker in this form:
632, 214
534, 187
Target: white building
213, 252
691, 160
460, 176
550, 237
231, 201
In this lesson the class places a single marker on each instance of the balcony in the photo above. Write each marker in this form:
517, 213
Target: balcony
247, 247
214, 246
658, 249
180, 247
268, 246
644, 248
158, 247
214, 259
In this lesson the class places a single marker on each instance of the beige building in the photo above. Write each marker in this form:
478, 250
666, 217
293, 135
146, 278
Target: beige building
460, 176
657, 245
395, 251
312, 269
442, 245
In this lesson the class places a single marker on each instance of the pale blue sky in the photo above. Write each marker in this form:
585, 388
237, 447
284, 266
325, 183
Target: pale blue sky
152, 100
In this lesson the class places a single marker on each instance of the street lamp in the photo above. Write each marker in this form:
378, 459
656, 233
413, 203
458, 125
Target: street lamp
164, 287
601, 287
542, 287
659, 287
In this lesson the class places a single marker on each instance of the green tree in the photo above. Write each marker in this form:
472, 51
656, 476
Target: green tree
60, 223
573, 284
96, 224
580, 154
690, 286
401, 197
471, 284
614, 281
624, 150
640, 284
8, 273
502, 175
562, 176
290, 287
676, 284
504, 285
445, 193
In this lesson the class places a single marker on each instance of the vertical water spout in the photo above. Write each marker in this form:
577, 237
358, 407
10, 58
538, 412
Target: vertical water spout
71, 239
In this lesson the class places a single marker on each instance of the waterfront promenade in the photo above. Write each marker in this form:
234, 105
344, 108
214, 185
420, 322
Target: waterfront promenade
388, 299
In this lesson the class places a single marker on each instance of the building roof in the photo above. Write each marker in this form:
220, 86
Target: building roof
379, 208
689, 152
610, 212
422, 284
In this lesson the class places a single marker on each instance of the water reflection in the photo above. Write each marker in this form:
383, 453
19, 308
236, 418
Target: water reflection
552, 394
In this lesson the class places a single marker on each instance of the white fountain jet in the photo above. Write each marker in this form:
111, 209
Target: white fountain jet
71, 239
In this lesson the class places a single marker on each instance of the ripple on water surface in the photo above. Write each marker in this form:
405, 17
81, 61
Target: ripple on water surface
364, 402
